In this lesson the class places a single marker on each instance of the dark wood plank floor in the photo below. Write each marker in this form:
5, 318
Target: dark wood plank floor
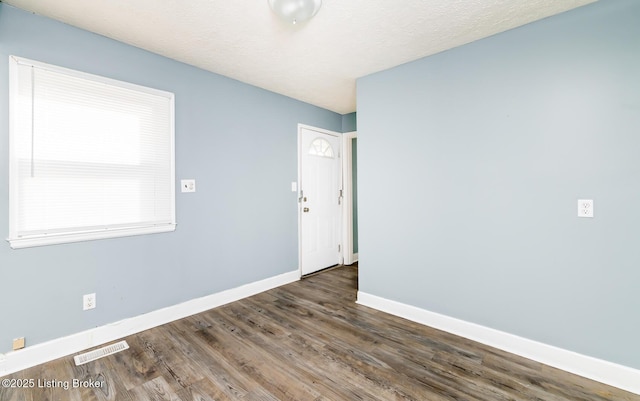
307, 341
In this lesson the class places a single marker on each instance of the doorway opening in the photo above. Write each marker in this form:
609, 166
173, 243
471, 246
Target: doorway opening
327, 201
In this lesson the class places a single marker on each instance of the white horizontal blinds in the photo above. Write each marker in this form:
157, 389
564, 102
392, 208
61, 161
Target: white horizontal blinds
92, 154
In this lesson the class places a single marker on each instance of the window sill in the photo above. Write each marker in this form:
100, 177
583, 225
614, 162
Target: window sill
41, 240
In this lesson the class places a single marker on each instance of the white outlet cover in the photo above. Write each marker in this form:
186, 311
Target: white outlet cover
294, 186
188, 185
585, 207
88, 301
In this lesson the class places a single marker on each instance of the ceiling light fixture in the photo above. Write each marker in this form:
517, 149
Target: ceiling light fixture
295, 11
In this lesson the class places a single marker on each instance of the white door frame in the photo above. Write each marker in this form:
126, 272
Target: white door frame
349, 257
341, 184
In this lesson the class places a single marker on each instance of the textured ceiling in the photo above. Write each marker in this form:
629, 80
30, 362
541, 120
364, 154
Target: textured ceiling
317, 62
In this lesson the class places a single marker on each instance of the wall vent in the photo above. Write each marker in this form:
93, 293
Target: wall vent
101, 352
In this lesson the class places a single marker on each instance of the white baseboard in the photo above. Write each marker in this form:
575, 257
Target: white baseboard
609, 373
350, 259
40, 353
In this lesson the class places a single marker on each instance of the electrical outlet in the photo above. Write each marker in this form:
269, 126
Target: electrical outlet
18, 343
88, 301
585, 207
188, 185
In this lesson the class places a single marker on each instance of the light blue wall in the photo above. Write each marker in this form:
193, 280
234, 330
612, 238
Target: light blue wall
349, 122
237, 141
470, 166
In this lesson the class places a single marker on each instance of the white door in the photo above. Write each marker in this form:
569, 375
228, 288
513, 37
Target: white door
320, 199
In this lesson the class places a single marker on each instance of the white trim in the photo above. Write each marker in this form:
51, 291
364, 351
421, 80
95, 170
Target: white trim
40, 353
91, 77
26, 242
300, 188
347, 210
609, 373
13, 164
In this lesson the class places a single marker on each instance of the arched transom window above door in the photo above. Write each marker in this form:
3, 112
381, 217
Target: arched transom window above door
321, 147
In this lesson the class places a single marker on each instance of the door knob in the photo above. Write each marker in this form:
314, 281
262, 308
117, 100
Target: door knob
306, 209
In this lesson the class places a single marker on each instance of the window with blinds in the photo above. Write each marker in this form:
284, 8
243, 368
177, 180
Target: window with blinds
90, 157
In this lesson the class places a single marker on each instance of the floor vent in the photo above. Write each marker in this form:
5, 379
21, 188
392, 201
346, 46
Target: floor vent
101, 352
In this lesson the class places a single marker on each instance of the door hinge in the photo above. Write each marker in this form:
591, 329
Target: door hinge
340, 198
339, 247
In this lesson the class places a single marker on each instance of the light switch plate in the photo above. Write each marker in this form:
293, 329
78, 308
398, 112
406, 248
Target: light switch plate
188, 185
294, 186
585, 207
